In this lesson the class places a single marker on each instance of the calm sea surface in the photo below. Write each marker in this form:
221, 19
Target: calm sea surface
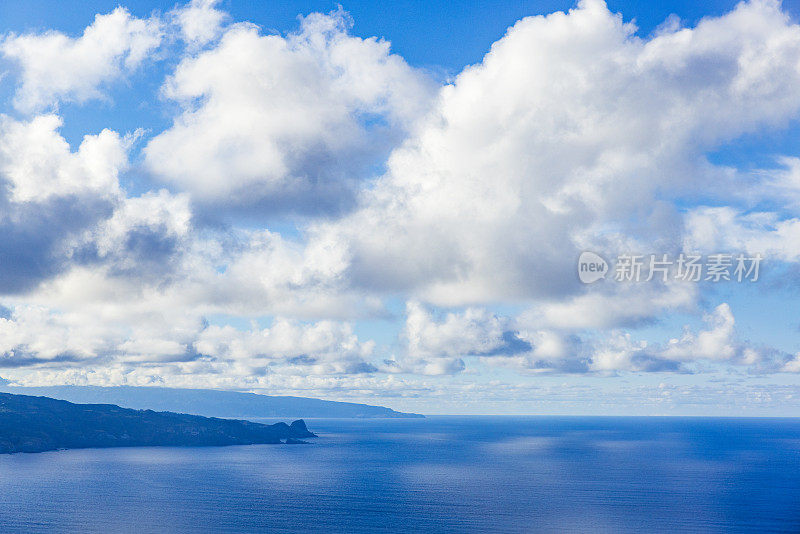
441, 474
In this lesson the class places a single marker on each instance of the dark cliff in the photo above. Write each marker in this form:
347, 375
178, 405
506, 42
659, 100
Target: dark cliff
35, 424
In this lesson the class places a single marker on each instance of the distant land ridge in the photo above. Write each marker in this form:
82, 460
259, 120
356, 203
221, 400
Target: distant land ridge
209, 402
38, 424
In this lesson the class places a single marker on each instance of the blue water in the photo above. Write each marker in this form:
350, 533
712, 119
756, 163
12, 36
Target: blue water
441, 474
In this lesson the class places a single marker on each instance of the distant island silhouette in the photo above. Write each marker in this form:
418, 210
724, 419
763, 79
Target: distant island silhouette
208, 402
38, 424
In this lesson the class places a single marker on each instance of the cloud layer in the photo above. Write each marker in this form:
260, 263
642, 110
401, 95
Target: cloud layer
56, 68
273, 123
312, 184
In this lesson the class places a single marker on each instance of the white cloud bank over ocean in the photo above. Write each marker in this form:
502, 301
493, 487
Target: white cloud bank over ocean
313, 183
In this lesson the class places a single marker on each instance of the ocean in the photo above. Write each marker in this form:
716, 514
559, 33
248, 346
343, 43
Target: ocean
439, 474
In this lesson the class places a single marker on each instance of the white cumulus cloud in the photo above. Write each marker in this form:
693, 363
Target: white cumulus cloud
285, 122
58, 68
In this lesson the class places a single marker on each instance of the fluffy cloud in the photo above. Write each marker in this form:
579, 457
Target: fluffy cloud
792, 365
50, 195
775, 237
718, 342
322, 348
37, 165
64, 210
145, 236
97, 324
31, 335
437, 346
200, 21
108, 335
573, 133
275, 123
262, 272
525, 161
619, 352
440, 346
58, 68
625, 304
715, 343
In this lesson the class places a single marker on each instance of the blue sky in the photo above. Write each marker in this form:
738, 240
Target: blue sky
362, 202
